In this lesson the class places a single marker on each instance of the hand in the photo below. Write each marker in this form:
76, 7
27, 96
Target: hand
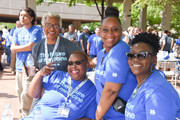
125, 32
72, 40
46, 70
13, 50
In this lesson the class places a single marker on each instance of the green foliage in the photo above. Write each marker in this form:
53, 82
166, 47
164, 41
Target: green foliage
91, 25
154, 11
9, 25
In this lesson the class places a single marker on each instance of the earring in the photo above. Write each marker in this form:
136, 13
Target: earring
152, 69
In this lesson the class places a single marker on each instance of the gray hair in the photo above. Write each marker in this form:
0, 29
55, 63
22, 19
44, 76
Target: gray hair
46, 16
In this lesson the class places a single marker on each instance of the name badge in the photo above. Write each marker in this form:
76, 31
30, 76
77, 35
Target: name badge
63, 112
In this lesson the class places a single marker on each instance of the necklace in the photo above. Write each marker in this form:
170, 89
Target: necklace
138, 86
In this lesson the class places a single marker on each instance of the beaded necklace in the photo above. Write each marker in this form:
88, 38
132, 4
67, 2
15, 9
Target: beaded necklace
138, 86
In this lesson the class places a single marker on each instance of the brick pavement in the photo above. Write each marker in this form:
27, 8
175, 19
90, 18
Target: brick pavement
8, 93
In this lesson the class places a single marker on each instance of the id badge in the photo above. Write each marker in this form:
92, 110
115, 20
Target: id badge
63, 112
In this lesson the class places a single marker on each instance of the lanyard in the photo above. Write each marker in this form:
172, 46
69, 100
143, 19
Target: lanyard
46, 50
70, 92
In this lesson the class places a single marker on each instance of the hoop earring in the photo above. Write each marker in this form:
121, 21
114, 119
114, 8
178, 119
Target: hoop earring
152, 69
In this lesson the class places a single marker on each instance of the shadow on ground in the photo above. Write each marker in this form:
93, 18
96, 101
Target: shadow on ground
5, 95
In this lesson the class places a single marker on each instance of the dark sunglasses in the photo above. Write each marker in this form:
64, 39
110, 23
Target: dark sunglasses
140, 56
70, 63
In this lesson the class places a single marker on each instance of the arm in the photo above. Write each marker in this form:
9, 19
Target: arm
163, 44
109, 94
92, 62
35, 88
22, 48
81, 41
126, 39
172, 43
88, 48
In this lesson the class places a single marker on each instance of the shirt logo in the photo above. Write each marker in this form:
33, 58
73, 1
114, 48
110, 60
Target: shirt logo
152, 112
114, 74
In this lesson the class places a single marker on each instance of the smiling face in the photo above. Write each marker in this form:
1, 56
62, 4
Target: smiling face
51, 33
141, 68
77, 71
110, 32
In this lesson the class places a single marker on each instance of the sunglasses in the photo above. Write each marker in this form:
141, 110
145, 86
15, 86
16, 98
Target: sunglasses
48, 25
140, 56
70, 63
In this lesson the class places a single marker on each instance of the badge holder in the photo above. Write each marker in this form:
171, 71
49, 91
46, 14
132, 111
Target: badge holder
63, 111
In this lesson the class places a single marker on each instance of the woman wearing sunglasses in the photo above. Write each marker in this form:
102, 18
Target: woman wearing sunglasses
64, 95
154, 98
112, 76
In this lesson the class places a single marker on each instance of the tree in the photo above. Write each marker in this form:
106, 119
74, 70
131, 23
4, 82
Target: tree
155, 9
98, 3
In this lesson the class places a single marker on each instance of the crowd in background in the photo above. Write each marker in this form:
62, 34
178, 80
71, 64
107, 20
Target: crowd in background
81, 39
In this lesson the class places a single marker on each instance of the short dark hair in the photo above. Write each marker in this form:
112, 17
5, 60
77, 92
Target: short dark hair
31, 13
80, 53
148, 38
166, 31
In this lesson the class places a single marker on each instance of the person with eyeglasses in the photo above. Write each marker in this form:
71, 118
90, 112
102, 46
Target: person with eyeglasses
64, 95
113, 80
154, 98
24, 39
53, 47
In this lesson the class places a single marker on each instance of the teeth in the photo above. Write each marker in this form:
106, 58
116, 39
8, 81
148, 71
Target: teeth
136, 65
75, 71
52, 32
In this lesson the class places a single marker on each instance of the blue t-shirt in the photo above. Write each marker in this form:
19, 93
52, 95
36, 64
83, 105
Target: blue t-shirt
156, 99
8, 42
113, 67
178, 41
81, 104
23, 37
96, 44
12, 32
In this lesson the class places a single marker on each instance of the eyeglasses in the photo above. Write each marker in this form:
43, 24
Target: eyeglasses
49, 25
140, 56
70, 63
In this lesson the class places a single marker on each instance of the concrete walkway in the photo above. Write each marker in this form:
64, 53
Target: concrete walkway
8, 93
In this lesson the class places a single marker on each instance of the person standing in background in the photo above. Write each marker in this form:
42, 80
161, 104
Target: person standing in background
1, 49
13, 55
62, 31
129, 36
95, 44
24, 39
83, 38
5, 32
166, 41
71, 34
7, 49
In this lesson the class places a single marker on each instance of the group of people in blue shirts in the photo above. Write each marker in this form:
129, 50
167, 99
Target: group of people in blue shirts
121, 74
